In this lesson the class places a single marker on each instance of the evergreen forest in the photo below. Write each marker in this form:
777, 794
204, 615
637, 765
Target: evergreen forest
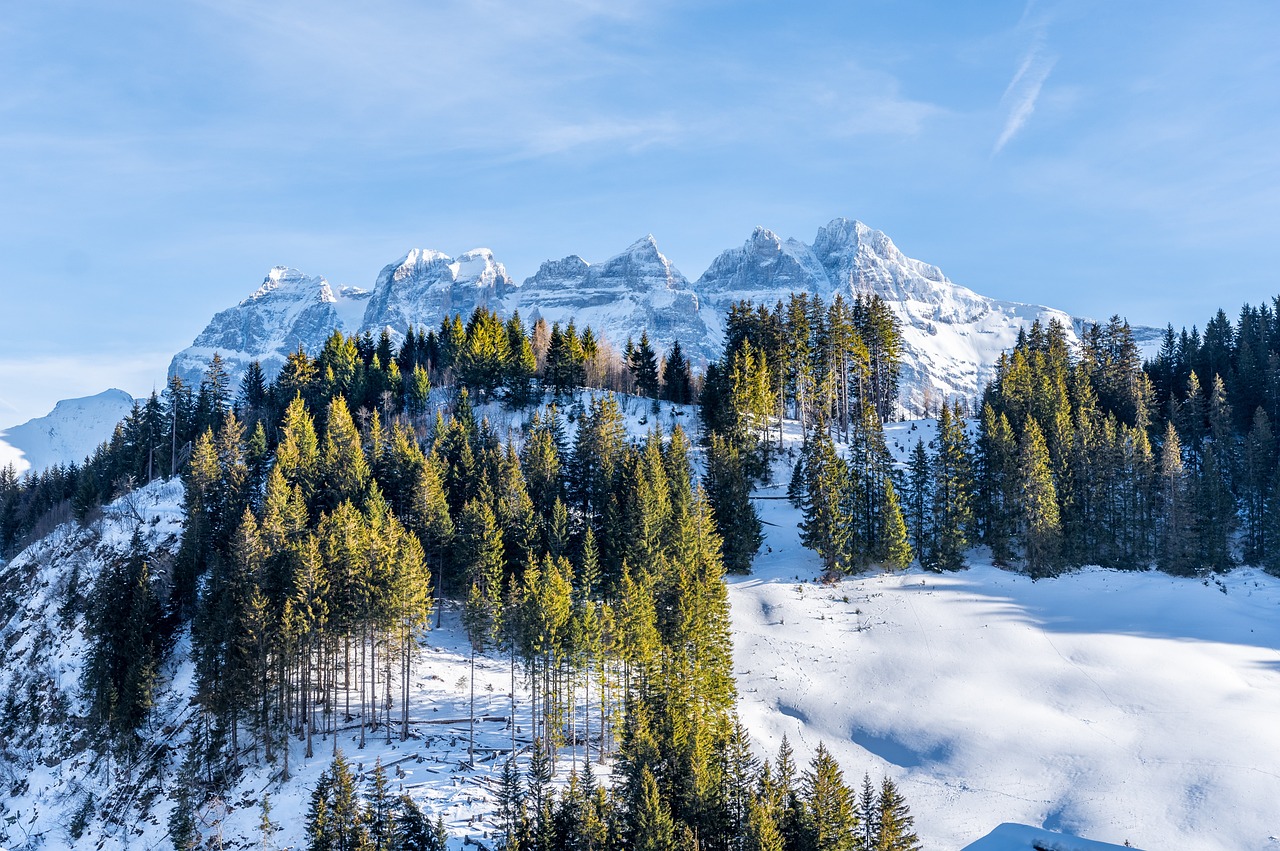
334, 511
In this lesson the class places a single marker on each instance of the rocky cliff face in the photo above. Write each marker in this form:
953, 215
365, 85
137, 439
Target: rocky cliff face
289, 310
630, 292
424, 286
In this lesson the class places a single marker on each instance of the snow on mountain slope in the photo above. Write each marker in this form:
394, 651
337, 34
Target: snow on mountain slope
763, 270
952, 336
630, 292
1104, 704
69, 433
289, 310
425, 286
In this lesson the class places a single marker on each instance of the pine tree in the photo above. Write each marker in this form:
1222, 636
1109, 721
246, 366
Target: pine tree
183, 832
894, 822
1259, 463
380, 812
825, 528
1040, 529
653, 828
868, 815
344, 466
896, 548
643, 363
729, 492
919, 498
677, 384
1177, 524
480, 559
997, 483
830, 819
952, 493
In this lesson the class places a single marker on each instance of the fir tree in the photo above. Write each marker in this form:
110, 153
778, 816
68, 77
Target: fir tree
896, 552
729, 492
830, 820
643, 363
952, 493
825, 528
677, 384
653, 828
1039, 525
894, 821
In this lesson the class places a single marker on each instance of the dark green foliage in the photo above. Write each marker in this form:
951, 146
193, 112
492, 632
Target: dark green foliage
125, 627
952, 493
677, 380
643, 363
729, 492
826, 529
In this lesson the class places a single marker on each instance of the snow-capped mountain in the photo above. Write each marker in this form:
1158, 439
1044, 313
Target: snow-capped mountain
952, 335
288, 310
424, 286
636, 290
68, 433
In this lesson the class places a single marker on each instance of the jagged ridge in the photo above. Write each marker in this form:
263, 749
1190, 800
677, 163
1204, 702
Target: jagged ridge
952, 335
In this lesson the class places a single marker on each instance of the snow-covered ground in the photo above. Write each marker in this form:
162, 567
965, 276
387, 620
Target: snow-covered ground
1102, 704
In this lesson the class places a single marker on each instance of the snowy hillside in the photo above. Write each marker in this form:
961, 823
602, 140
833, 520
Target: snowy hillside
69, 433
1103, 704
61, 794
1020, 837
951, 334
1015, 714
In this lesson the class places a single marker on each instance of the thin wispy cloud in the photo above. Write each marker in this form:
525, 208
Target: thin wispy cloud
1020, 96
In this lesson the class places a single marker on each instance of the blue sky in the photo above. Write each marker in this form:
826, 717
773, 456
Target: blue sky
156, 158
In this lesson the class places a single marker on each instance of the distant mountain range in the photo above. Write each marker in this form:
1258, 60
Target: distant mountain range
952, 335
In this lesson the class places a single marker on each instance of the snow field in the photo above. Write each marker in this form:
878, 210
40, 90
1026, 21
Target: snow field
1104, 704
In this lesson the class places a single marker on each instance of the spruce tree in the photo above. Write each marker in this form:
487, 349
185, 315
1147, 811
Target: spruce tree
919, 498
825, 528
1039, 526
729, 492
896, 546
652, 828
480, 559
677, 384
643, 363
894, 821
830, 818
952, 493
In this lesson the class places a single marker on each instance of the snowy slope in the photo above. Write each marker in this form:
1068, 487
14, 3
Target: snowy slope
67, 434
1102, 704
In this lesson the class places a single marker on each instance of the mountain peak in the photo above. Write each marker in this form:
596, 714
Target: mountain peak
285, 279
645, 245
